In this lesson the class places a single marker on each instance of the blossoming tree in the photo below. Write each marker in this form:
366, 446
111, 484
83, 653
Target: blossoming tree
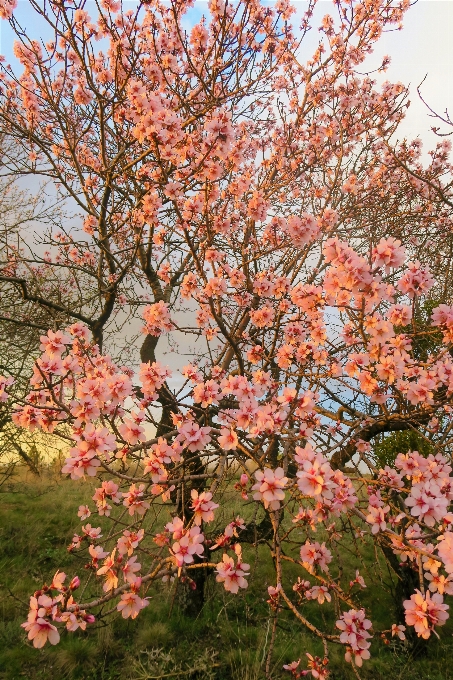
250, 208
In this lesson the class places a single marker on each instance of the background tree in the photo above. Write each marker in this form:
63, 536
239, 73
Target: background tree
22, 322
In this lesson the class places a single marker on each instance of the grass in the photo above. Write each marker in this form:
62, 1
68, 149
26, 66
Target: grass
227, 641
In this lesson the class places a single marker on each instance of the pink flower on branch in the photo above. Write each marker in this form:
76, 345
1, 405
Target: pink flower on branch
424, 612
134, 500
131, 605
39, 627
354, 629
40, 631
232, 575
54, 344
417, 280
315, 554
193, 437
189, 545
269, 487
202, 506
153, 376
157, 319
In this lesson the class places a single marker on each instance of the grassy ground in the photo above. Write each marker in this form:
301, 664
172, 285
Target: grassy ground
227, 641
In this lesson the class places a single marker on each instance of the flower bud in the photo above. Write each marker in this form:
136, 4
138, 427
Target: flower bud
75, 583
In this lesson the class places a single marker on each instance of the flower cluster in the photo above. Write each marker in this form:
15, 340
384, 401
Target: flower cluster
230, 574
55, 604
355, 635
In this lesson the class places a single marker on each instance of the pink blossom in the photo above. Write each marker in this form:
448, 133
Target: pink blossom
302, 229
74, 583
293, 666
424, 612
263, 317
157, 318
376, 517
7, 8
421, 391
39, 628
398, 631
206, 393
163, 454
228, 439
129, 541
92, 532
314, 478
427, 503
231, 530
257, 207
77, 618
98, 441
130, 568
445, 550
81, 462
194, 437
215, 286
84, 512
133, 499
203, 506
84, 409
269, 487
152, 377
442, 316
440, 583
176, 527
400, 315
231, 575
41, 631
154, 466
131, 605
388, 253
190, 544
313, 554
54, 344
192, 373
108, 489
319, 593
274, 591
4, 383
355, 635
132, 432
97, 552
417, 280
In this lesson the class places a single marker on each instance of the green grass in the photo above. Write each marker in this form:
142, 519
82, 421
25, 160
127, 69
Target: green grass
227, 641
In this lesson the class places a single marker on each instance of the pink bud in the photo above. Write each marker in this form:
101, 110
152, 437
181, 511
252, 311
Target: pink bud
244, 479
75, 583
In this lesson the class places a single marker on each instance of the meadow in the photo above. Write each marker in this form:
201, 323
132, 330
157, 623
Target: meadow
227, 640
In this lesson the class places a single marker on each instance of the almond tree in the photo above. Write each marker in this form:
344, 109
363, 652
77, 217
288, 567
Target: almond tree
249, 206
